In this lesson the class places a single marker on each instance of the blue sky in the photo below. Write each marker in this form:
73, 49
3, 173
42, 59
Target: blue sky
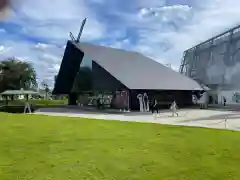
36, 31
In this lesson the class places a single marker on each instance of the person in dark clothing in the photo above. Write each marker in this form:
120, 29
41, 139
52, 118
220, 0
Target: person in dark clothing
210, 100
224, 101
155, 106
99, 104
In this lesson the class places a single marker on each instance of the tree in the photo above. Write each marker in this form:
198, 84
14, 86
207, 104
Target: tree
46, 88
15, 74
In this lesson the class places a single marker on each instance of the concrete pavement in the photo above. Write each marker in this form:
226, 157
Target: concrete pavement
221, 119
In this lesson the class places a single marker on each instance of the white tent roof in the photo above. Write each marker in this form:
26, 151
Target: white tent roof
19, 92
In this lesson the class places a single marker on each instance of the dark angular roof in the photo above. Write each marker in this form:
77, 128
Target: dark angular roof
137, 71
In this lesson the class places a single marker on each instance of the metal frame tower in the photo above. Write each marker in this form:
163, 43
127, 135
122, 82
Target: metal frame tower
230, 40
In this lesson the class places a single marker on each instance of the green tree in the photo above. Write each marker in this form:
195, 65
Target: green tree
15, 74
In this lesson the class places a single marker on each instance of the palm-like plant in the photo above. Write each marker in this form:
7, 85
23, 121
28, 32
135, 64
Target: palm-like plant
16, 74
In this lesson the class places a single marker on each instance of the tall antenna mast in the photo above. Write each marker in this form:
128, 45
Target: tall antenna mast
80, 32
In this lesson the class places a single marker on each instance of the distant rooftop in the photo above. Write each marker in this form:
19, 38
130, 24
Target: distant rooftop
18, 92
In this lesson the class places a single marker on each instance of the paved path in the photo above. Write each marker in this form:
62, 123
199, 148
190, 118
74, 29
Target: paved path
188, 117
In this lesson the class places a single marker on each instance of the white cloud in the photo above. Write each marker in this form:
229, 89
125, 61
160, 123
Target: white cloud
167, 13
2, 30
152, 27
120, 44
4, 49
166, 31
51, 23
55, 21
149, 3
41, 46
45, 58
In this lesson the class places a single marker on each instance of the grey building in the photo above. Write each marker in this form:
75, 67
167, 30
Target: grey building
216, 63
98, 69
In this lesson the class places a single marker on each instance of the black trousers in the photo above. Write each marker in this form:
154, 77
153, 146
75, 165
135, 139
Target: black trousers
155, 108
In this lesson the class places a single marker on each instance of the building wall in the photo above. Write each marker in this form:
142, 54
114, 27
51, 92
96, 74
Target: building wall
79, 73
164, 98
215, 62
68, 70
232, 97
94, 78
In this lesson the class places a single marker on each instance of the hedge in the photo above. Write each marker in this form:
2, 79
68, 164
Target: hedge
17, 106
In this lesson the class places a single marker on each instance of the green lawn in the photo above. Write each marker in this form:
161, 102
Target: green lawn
59, 148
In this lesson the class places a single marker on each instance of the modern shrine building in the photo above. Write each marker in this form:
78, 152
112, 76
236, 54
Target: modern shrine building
89, 71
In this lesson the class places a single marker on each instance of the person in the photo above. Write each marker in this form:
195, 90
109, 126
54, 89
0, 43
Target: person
27, 106
124, 101
203, 101
140, 98
174, 108
224, 101
155, 106
99, 105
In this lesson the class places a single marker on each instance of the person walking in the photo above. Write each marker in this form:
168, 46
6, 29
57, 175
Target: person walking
155, 106
174, 108
224, 101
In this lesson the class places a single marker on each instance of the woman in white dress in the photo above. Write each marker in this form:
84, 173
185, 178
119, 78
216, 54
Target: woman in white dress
174, 108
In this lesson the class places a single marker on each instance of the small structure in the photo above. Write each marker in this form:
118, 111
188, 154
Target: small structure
26, 93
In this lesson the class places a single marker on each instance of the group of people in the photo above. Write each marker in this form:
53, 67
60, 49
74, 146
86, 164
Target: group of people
173, 107
155, 107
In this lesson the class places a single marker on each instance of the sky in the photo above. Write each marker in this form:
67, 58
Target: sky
37, 31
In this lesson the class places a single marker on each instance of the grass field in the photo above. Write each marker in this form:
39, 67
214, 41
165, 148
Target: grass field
59, 148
